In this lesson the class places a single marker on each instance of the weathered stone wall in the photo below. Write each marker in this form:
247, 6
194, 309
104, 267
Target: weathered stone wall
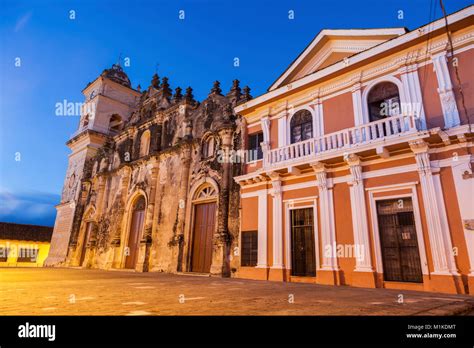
174, 165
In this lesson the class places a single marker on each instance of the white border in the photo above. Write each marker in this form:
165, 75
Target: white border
288, 228
416, 212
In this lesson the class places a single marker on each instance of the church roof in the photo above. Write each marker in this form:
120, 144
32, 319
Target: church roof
32, 233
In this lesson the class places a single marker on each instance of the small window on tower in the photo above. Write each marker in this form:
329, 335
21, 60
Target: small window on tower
115, 124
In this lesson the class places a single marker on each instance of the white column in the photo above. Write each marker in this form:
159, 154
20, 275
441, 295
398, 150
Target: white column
412, 92
359, 215
277, 221
265, 122
326, 206
438, 229
357, 105
318, 119
445, 90
282, 131
262, 229
464, 190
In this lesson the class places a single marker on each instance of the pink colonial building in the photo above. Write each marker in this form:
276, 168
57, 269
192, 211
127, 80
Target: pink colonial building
363, 168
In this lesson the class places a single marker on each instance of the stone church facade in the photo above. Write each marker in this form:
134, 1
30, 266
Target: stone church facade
361, 174
149, 182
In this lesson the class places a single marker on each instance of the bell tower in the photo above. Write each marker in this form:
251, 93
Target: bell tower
109, 102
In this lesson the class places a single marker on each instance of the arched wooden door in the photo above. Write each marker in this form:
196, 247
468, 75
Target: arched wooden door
136, 227
87, 235
205, 209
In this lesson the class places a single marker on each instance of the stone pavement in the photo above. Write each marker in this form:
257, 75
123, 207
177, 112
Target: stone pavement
48, 291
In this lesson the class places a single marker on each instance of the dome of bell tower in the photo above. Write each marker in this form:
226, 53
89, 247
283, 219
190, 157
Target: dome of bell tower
116, 74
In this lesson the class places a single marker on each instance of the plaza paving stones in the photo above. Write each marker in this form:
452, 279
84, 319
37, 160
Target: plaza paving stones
59, 291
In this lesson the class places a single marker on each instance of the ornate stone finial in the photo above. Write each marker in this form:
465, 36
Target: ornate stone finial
235, 89
189, 95
139, 88
165, 88
246, 96
155, 81
216, 88
177, 94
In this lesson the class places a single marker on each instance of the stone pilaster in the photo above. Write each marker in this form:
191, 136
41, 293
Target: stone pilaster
440, 239
318, 119
326, 206
445, 90
359, 222
262, 261
182, 202
114, 260
357, 104
265, 123
277, 221
282, 129
220, 258
143, 262
412, 91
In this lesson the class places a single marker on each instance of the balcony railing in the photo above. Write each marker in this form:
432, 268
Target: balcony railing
349, 138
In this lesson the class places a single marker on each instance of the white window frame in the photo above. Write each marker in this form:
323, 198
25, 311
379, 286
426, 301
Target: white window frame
373, 83
288, 207
416, 213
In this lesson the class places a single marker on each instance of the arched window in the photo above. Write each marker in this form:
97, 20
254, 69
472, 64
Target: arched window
208, 147
383, 101
145, 143
206, 191
301, 126
116, 123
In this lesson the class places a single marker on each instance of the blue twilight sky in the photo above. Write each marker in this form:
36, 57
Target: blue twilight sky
59, 56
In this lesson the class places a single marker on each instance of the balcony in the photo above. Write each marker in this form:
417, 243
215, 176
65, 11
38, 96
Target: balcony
383, 132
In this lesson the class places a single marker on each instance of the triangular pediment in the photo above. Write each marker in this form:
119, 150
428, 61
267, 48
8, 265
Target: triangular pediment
331, 46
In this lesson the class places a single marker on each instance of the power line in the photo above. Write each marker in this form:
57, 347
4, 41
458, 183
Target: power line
456, 71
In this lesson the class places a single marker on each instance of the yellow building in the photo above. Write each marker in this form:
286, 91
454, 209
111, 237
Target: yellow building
24, 245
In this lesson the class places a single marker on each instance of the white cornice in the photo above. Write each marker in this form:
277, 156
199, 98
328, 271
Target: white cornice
368, 33
396, 42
